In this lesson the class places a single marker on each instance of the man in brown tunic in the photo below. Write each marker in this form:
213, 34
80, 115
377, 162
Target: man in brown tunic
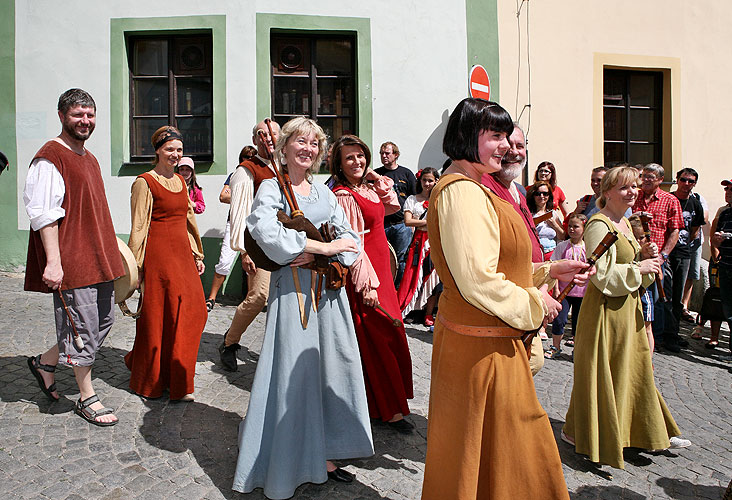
244, 184
72, 252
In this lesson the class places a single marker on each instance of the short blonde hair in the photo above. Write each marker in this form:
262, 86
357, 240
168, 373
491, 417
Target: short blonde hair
613, 177
301, 125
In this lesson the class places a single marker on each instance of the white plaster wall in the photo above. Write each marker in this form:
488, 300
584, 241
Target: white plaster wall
418, 61
565, 35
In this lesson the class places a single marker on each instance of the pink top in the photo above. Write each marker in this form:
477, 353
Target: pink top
362, 272
567, 251
196, 196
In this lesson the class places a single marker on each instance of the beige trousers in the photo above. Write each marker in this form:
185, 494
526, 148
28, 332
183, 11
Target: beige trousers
258, 284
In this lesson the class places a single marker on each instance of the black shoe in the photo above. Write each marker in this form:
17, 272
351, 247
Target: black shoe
672, 347
340, 475
402, 426
683, 343
228, 356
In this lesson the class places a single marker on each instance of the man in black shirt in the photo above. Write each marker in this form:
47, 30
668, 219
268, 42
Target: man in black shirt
405, 185
680, 257
721, 246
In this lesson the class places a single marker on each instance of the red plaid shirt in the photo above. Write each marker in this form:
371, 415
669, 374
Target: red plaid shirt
666, 211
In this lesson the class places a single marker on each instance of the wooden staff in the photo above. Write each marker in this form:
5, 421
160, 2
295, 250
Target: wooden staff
645, 219
284, 182
541, 218
77, 338
609, 240
393, 320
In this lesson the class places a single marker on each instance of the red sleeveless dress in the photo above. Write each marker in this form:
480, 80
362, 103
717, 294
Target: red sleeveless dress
387, 364
174, 307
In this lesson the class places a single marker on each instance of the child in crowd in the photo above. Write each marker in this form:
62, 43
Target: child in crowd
420, 285
571, 249
187, 170
647, 298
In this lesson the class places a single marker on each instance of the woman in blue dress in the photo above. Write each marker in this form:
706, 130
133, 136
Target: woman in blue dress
308, 401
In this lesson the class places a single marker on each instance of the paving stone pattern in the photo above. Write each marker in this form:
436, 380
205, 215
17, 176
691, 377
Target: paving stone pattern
162, 450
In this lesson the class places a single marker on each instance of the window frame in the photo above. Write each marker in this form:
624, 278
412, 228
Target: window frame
359, 28
120, 31
172, 83
312, 76
671, 115
628, 107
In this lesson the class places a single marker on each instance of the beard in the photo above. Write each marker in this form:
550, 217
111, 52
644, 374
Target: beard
78, 135
510, 171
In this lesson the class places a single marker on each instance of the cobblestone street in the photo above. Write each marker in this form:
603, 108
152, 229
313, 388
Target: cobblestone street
162, 450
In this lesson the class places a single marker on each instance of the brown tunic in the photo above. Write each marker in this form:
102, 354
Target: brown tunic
260, 171
88, 245
488, 437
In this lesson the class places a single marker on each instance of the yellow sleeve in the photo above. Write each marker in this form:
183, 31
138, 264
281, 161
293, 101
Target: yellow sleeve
470, 239
141, 210
612, 278
194, 238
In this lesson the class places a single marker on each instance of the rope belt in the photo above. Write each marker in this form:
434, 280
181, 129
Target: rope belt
301, 295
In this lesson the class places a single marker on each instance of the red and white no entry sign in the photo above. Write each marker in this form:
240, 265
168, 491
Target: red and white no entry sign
479, 84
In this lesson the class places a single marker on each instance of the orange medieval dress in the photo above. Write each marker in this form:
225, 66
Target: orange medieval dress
488, 437
174, 309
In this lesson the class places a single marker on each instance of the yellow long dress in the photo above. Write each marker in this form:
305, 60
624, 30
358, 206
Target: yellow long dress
615, 403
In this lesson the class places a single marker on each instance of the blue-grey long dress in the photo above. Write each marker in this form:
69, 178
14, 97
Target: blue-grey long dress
308, 400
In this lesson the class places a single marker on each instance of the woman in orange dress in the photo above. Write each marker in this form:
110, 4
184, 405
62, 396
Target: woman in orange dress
488, 437
165, 241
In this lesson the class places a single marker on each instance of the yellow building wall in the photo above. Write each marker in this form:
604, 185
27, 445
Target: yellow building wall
552, 57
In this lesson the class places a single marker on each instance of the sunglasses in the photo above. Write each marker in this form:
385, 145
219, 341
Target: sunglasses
541, 193
686, 180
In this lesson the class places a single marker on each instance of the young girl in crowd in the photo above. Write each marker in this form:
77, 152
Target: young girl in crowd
420, 284
647, 298
187, 170
571, 249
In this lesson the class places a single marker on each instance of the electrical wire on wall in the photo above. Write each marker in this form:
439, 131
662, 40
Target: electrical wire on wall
526, 107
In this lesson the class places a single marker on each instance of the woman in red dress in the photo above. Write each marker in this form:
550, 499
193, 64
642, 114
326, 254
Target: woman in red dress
387, 365
165, 241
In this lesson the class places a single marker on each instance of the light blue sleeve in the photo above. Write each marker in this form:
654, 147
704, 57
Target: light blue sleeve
280, 244
343, 228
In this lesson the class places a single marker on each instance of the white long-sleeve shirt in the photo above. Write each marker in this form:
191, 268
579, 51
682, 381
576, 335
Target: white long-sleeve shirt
43, 194
242, 195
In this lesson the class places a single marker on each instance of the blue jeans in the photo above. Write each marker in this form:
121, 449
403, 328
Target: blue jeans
560, 321
399, 237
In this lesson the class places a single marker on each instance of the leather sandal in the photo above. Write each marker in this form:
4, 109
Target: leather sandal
34, 363
82, 409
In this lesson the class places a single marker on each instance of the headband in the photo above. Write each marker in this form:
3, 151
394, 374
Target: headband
169, 135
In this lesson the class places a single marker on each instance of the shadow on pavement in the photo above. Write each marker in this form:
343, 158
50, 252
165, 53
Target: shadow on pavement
419, 334
211, 434
680, 488
576, 461
247, 361
605, 492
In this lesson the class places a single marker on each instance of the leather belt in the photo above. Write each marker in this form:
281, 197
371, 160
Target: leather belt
479, 331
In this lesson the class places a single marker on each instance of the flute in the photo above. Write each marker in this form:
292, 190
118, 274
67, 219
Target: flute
645, 218
609, 240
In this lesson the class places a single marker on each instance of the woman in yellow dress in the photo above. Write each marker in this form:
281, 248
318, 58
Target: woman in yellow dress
488, 436
615, 403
